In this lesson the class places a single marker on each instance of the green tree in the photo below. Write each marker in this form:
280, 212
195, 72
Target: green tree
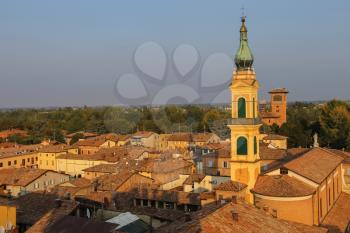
335, 124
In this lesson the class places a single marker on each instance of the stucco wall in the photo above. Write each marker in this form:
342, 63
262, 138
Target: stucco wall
293, 209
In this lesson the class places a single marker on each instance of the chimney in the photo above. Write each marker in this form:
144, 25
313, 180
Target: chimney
274, 213
187, 217
266, 208
316, 144
234, 199
58, 203
234, 216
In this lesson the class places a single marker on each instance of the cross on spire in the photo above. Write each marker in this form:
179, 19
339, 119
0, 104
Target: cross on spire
243, 15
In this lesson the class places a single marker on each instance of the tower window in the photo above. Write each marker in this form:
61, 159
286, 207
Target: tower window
241, 108
277, 98
242, 146
283, 171
255, 146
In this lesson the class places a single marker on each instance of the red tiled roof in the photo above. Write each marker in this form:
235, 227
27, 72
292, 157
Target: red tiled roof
214, 146
53, 149
281, 186
194, 178
169, 196
33, 206
79, 183
20, 176
218, 219
113, 182
183, 137
111, 155
73, 224
315, 164
90, 142
230, 185
267, 153
85, 134
202, 137
164, 166
338, 217
274, 137
102, 168
52, 217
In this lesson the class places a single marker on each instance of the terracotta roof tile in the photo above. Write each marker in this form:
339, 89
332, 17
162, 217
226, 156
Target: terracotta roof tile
79, 183
213, 146
33, 206
53, 149
20, 176
315, 164
183, 137
218, 219
281, 186
339, 216
230, 185
165, 165
111, 155
90, 142
267, 153
73, 224
52, 217
85, 134
202, 137
169, 196
194, 178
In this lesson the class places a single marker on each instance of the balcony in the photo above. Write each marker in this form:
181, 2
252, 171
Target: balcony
244, 121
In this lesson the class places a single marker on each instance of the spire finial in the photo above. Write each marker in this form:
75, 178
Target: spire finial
243, 15
244, 58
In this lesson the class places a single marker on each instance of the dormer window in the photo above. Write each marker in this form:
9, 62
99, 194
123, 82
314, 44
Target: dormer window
283, 171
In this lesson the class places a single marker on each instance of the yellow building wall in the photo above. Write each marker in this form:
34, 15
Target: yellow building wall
245, 168
75, 167
173, 145
48, 160
292, 209
345, 174
18, 161
7, 216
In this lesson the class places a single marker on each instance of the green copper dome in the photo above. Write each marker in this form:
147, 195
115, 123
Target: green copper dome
244, 58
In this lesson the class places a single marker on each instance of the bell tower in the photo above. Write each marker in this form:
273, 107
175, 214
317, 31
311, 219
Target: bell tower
245, 123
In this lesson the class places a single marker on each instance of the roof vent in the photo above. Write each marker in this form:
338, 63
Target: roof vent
187, 217
234, 216
274, 213
58, 203
266, 208
234, 199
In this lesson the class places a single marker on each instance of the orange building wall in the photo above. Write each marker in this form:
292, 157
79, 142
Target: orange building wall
297, 210
279, 107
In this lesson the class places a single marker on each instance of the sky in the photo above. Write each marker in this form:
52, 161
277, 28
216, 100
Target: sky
74, 53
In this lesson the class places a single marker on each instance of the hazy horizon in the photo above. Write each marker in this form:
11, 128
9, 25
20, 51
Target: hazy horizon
65, 53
